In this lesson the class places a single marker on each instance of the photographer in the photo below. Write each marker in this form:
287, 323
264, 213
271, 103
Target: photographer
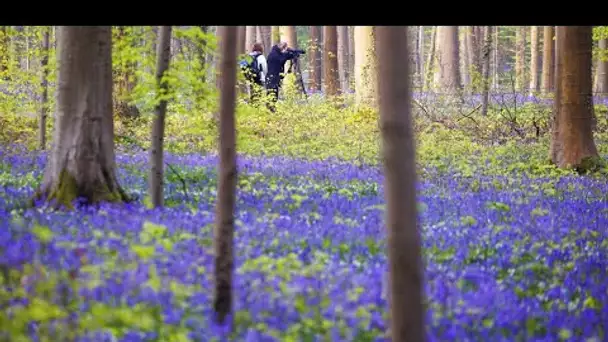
276, 60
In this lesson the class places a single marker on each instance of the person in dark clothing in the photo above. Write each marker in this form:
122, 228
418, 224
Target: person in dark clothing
276, 60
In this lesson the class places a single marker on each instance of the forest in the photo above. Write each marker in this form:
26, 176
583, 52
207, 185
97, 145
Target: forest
408, 184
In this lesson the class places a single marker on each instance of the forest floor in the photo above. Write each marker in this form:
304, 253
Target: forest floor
514, 248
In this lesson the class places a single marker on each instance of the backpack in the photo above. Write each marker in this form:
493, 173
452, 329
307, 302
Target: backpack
251, 68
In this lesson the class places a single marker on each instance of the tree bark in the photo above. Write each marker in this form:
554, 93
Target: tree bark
520, 58
82, 161
365, 66
548, 60
163, 56
330, 60
449, 61
534, 60
343, 57
430, 63
487, 44
572, 140
314, 53
602, 69
44, 84
404, 242
225, 207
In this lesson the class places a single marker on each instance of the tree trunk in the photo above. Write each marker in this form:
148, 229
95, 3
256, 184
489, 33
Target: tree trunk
449, 61
44, 84
365, 66
548, 60
126, 79
430, 63
404, 243
534, 60
226, 189
343, 57
82, 161
276, 34
520, 58
314, 53
487, 47
163, 56
572, 140
249, 37
601, 86
330, 60
466, 58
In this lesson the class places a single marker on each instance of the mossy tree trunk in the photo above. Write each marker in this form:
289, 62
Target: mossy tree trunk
225, 207
82, 161
572, 141
163, 55
404, 246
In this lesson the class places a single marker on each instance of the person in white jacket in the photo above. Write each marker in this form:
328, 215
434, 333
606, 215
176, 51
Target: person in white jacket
258, 80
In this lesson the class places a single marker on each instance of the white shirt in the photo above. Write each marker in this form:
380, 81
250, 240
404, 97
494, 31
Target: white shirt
263, 66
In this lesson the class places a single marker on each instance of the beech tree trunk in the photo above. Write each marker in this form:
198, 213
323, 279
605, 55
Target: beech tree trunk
404, 242
601, 86
487, 47
548, 60
343, 57
314, 53
365, 66
163, 56
226, 189
572, 140
82, 161
330, 60
449, 60
534, 60
44, 83
520, 58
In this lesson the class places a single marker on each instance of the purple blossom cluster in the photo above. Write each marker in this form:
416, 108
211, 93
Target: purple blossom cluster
510, 258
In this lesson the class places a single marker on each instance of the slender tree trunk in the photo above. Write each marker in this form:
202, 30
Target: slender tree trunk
343, 57
572, 141
275, 35
365, 66
601, 86
314, 53
330, 60
487, 44
466, 58
548, 60
82, 161
404, 242
449, 61
44, 84
430, 63
225, 207
163, 56
249, 37
534, 60
520, 58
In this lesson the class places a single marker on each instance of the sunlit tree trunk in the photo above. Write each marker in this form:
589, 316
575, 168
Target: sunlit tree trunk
365, 66
404, 242
534, 60
227, 177
548, 60
163, 55
44, 84
520, 58
449, 60
572, 140
330, 60
82, 161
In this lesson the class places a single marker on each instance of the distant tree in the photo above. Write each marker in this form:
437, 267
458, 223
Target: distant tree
163, 56
82, 160
572, 140
330, 60
226, 189
548, 60
404, 245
